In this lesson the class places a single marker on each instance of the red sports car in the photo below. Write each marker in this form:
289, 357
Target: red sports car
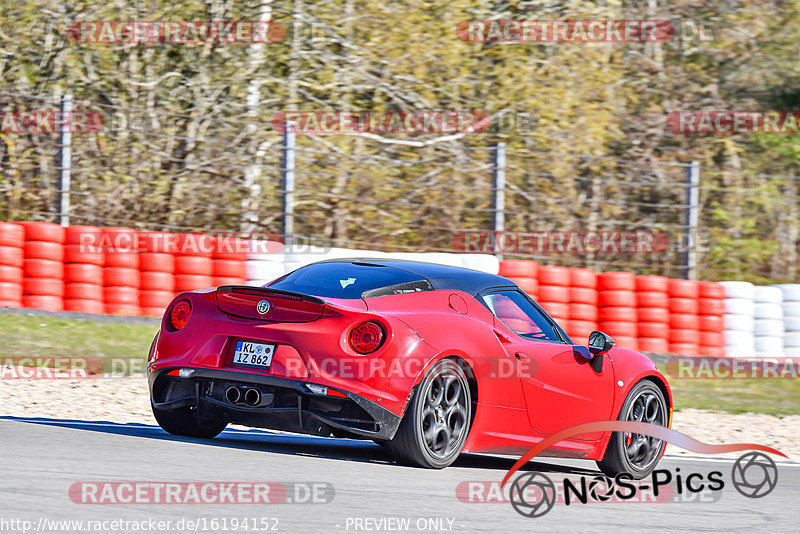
428, 360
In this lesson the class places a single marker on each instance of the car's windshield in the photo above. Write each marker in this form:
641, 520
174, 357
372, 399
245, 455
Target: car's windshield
520, 315
350, 280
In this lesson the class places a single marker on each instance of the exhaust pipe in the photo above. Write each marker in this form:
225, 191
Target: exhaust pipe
233, 395
252, 397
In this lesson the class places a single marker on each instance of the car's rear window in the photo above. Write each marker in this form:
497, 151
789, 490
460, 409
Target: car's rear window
350, 280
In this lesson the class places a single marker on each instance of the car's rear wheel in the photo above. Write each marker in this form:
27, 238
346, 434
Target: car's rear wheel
189, 422
437, 420
637, 454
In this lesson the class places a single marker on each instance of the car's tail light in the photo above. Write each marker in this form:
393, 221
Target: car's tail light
366, 337
180, 314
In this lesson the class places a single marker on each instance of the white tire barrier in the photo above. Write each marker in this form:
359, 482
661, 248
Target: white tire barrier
791, 340
768, 294
768, 310
768, 327
739, 323
481, 262
790, 291
791, 352
739, 290
740, 306
264, 270
769, 346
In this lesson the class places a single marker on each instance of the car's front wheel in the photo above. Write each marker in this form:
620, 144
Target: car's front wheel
637, 454
437, 420
188, 422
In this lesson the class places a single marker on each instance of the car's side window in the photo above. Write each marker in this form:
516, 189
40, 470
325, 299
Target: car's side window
520, 315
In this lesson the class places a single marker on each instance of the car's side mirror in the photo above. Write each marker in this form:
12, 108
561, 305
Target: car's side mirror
599, 343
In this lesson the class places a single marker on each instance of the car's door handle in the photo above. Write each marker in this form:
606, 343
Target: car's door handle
521, 356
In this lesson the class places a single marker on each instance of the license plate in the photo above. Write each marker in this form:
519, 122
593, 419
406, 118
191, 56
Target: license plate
251, 354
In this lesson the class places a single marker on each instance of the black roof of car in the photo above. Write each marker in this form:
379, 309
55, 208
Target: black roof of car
439, 276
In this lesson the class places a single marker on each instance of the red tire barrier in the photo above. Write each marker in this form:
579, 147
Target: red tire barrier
232, 248
579, 277
579, 330
528, 285
194, 245
558, 310
617, 313
684, 349
44, 250
190, 282
684, 321
163, 242
618, 328
626, 342
583, 295
616, 297
37, 268
11, 303
83, 254
43, 302
653, 344
12, 256
652, 299
652, 282
157, 262
582, 312
653, 315
228, 281
121, 295
712, 339
155, 299
11, 274
677, 336
553, 276
229, 268
128, 259
119, 239
83, 235
11, 235
713, 352
683, 288
711, 323
81, 291
10, 291
201, 265
84, 306
553, 293
653, 330
711, 290
121, 308
709, 306
53, 287
518, 268
152, 312
156, 281
682, 305
616, 281
121, 277
43, 231
82, 273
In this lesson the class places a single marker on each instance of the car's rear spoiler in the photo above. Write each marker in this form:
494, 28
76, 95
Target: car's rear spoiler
269, 304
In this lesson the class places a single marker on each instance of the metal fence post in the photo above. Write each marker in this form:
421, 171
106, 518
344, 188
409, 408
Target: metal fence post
287, 184
499, 190
65, 161
692, 219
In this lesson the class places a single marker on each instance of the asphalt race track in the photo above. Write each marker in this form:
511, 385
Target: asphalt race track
43, 458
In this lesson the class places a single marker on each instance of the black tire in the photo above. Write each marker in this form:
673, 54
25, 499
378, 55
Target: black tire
188, 422
437, 420
635, 454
